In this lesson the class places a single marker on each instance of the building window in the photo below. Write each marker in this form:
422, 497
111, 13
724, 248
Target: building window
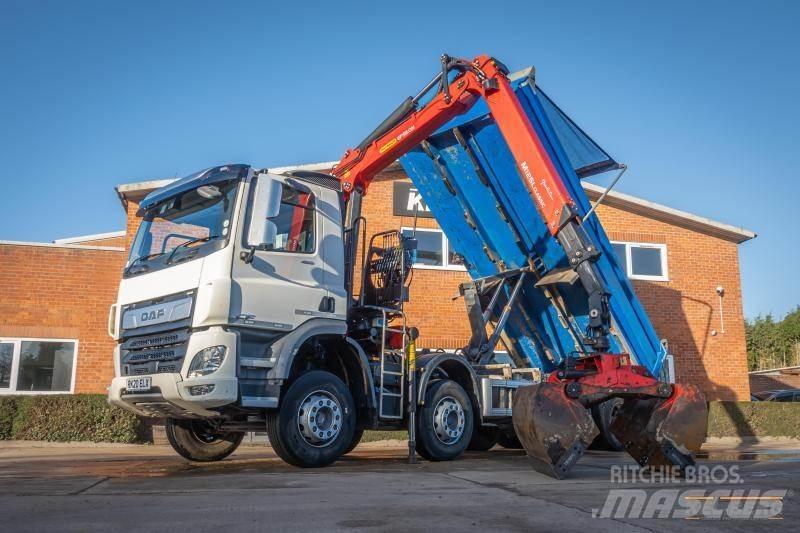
433, 250
37, 366
642, 260
668, 369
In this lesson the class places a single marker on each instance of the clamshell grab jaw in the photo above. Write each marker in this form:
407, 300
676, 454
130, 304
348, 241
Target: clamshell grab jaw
554, 429
665, 432
658, 423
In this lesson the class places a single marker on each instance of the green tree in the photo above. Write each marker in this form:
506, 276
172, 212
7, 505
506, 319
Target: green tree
772, 344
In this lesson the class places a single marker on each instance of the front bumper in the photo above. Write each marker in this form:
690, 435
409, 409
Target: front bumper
169, 392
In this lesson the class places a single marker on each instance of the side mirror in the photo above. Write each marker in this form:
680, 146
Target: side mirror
266, 205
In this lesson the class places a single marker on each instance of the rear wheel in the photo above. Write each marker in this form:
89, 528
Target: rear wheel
197, 440
508, 439
483, 438
316, 422
445, 422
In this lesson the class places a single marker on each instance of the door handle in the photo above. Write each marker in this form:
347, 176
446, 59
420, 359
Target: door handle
307, 262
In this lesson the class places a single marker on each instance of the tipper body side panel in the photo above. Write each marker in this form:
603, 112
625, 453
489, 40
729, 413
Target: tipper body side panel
468, 179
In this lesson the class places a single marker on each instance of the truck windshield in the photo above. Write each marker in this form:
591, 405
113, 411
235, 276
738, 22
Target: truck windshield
188, 225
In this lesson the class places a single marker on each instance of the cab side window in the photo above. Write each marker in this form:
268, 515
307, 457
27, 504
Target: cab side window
295, 222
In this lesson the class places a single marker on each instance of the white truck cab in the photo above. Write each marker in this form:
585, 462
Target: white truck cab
236, 312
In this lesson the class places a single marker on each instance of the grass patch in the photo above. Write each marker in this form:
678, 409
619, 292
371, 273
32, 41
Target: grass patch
375, 436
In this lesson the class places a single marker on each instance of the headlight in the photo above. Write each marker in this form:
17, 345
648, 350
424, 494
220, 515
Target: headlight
206, 361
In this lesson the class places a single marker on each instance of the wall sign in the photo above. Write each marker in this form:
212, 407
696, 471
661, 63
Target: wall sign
406, 198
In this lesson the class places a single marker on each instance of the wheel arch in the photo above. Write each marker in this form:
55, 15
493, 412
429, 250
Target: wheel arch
285, 349
455, 368
325, 347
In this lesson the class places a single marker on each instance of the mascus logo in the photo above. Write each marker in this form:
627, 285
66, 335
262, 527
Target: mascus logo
152, 315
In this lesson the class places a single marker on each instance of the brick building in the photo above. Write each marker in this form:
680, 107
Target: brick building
762, 381
55, 296
54, 300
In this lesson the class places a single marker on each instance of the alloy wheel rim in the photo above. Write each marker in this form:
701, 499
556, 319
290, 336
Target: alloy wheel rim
319, 418
448, 420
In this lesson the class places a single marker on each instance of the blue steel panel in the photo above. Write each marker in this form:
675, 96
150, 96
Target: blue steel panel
491, 220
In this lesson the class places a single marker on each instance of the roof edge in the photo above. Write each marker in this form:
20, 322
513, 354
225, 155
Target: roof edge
314, 167
779, 370
144, 185
670, 215
68, 246
93, 237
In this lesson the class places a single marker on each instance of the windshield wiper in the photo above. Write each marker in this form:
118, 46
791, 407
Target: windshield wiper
142, 258
187, 243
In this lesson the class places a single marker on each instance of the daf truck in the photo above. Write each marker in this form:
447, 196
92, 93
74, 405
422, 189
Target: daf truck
259, 301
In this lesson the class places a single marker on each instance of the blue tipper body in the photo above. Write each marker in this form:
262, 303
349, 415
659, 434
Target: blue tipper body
486, 198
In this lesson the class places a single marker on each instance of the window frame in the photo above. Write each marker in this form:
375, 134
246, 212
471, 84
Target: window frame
668, 368
445, 252
203, 249
15, 356
315, 220
629, 260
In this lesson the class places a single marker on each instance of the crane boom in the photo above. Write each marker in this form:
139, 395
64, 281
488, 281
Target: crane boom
408, 126
483, 77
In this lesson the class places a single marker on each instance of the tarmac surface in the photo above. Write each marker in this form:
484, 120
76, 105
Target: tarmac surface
86, 487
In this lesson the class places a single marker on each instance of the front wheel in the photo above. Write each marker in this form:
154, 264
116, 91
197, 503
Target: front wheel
197, 440
316, 422
445, 422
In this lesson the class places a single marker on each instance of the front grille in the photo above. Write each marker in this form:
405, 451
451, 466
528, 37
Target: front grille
150, 341
152, 354
158, 355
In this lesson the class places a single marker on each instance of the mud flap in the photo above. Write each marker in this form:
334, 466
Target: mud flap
553, 428
663, 432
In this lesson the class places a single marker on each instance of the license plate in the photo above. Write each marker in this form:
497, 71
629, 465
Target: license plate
138, 384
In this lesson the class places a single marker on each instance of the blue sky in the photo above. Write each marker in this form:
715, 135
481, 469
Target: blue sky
699, 98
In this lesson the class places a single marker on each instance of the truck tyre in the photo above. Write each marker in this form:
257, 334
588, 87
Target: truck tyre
603, 414
198, 441
508, 439
445, 422
483, 439
357, 434
316, 422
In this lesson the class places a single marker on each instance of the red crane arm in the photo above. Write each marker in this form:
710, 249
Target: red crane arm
409, 125
483, 77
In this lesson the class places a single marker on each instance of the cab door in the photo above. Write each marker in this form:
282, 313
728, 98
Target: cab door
283, 286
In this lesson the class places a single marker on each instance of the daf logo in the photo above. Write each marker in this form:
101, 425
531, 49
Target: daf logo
152, 315
157, 313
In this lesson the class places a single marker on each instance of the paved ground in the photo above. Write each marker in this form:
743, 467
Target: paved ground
144, 488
